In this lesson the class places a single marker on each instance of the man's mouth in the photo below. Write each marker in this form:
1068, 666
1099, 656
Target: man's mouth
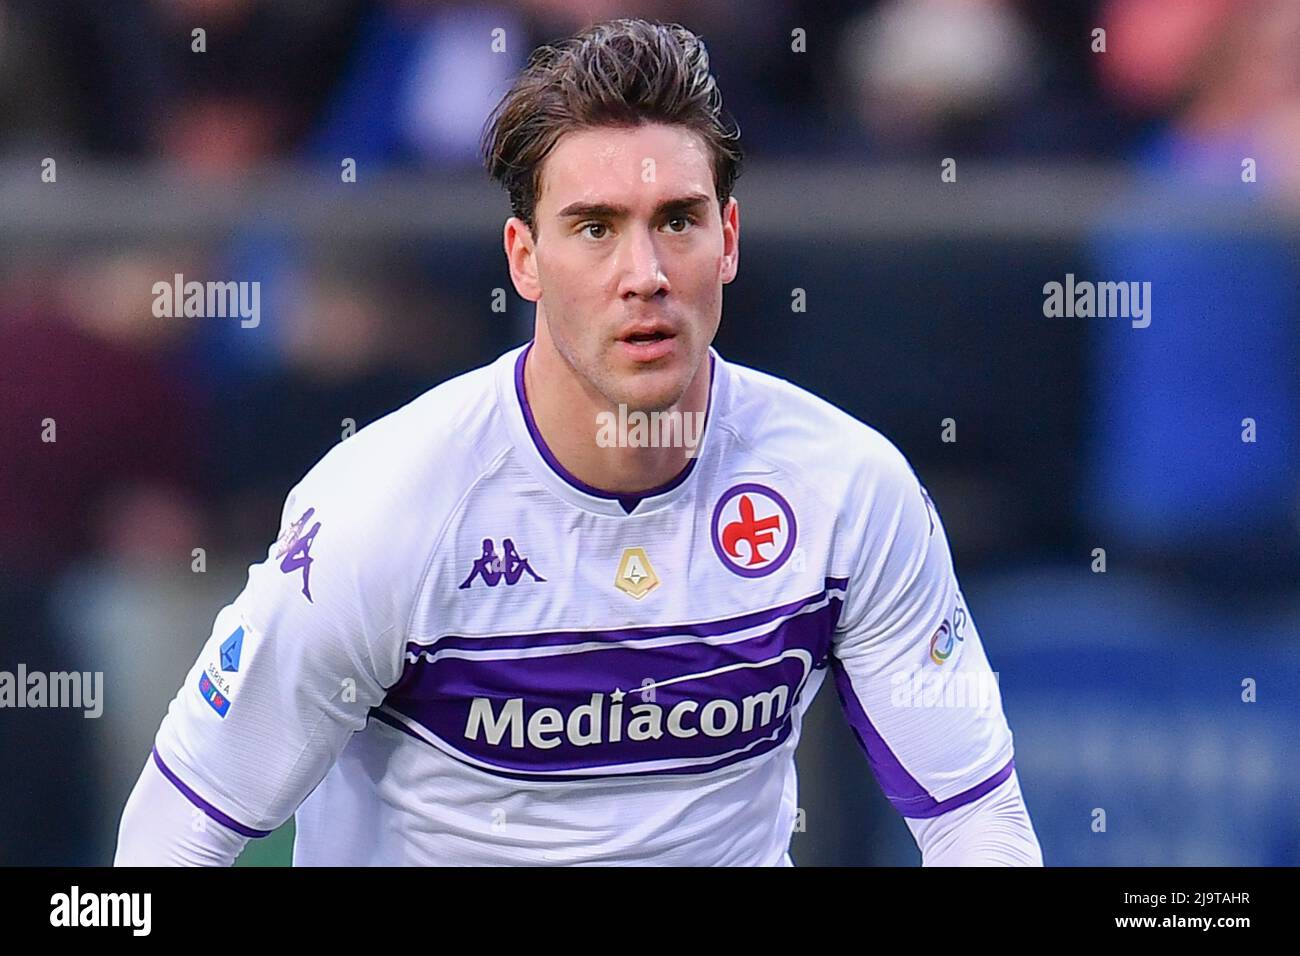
648, 342
639, 337
652, 331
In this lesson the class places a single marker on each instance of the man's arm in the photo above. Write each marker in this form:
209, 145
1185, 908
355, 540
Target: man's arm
917, 688
161, 826
994, 830
290, 671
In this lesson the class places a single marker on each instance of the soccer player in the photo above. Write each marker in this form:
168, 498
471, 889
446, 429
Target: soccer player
571, 607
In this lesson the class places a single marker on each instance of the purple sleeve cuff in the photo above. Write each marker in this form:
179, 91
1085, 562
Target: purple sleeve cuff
904, 791
936, 807
203, 805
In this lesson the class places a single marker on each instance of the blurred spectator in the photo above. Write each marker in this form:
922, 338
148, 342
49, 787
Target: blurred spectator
970, 78
420, 81
122, 78
917, 66
86, 355
87, 367
1171, 477
359, 336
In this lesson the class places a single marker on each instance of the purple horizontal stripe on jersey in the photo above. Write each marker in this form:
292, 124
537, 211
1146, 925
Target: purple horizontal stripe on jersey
203, 805
903, 790
391, 721
749, 685
556, 638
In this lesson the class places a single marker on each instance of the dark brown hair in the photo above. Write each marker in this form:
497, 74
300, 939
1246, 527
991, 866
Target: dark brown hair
618, 73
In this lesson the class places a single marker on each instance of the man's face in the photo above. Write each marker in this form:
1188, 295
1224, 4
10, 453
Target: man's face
629, 259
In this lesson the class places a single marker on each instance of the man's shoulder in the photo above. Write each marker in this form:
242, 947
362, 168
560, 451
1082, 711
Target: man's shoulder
797, 430
418, 459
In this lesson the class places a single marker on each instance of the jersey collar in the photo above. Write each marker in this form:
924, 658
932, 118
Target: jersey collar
540, 460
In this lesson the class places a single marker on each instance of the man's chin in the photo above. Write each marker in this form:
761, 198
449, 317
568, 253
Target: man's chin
650, 393
656, 402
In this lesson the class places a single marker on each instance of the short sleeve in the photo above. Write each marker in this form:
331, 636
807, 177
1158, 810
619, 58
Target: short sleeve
909, 665
292, 665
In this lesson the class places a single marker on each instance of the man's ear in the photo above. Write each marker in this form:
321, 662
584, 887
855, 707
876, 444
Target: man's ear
521, 258
730, 240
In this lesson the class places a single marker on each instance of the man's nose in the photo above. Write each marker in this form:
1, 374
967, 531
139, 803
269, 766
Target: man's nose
642, 273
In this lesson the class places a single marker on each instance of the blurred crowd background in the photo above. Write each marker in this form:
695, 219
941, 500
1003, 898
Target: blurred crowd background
924, 303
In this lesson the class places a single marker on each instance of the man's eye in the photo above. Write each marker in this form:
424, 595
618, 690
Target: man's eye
686, 222
594, 225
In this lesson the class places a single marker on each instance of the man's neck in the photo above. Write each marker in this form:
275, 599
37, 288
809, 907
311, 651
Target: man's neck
569, 418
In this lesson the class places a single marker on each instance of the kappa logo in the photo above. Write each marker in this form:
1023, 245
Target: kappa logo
930, 510
753, 530
494, 569
295, 549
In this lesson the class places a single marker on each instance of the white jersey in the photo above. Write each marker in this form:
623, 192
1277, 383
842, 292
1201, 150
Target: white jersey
458, 653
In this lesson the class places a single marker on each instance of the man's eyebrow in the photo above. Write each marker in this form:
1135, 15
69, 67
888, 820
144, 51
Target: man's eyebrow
600, 210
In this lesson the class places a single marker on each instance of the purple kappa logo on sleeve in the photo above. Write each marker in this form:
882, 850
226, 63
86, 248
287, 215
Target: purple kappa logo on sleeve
295, 549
